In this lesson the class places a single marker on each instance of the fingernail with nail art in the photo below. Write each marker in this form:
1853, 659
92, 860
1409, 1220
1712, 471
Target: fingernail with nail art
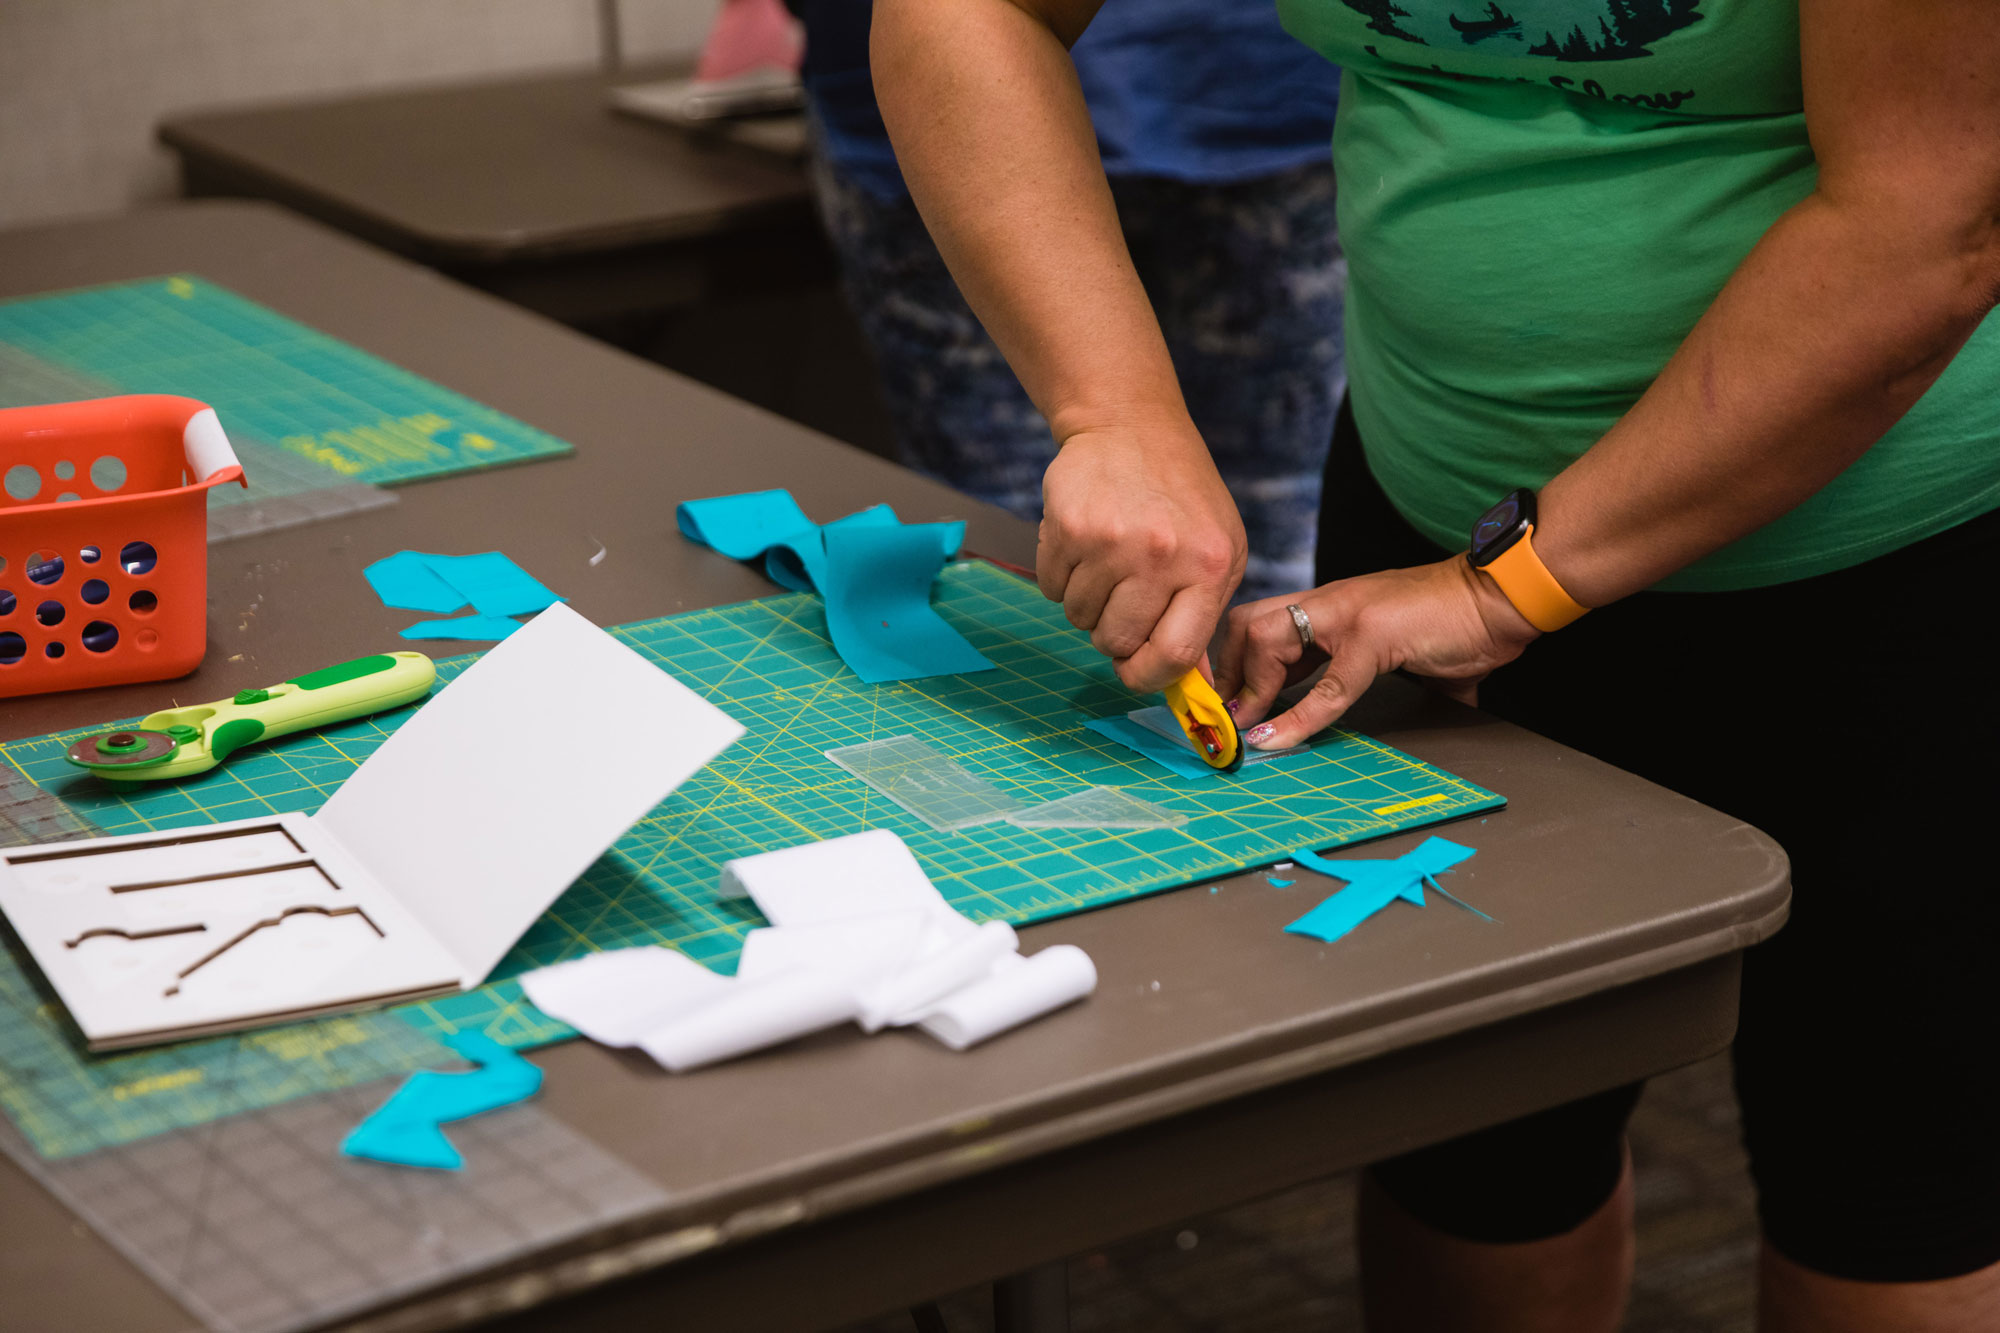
1231, 706
1260, 733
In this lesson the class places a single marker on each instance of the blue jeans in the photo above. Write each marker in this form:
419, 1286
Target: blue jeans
1247, 282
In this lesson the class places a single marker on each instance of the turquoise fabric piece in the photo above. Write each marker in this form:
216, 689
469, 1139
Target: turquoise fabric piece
406, 579
472, 629
407, 1130
1373, 885
878, 611
771, 524
1281, 883
494, 584
742, 527
877, 591
799, 561
441, 584
1182, 761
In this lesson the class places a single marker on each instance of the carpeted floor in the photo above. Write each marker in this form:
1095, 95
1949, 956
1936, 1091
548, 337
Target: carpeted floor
1286, 1264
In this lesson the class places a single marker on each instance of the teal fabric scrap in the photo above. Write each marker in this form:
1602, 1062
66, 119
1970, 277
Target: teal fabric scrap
494, 584
1281, 883
406, 579
441, 584
477, 629
1182, 761
770, 524
407, 1130
1373, 885
877, 592
745, 526
872, 570
799, 561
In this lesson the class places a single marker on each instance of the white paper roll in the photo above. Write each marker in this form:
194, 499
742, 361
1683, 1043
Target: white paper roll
755, 1014
617, 996
857, 875
1059, 975
879, 944
909, 994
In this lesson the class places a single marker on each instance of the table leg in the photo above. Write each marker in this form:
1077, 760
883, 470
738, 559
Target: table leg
1036, 1301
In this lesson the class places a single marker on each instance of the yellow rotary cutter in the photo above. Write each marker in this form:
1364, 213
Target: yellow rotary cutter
181, 742
1198, 708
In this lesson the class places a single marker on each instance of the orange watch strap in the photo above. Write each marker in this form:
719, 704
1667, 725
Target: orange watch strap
1531, 588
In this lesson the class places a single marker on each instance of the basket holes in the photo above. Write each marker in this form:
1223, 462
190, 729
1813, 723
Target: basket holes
108, 473
45, 568
67, 496
23, 482
65, 470
54, 650
94, 591
90, 555
146, 640
12, 648
51, 613
100, 636
138, 557
143, 602
6, 602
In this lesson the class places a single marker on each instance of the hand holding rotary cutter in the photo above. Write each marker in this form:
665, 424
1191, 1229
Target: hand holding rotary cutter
1200, 711
181, 742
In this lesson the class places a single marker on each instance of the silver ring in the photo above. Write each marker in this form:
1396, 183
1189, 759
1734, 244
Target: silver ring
1303, 624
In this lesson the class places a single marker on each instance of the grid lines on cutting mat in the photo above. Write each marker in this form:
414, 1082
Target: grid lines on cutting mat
770, 665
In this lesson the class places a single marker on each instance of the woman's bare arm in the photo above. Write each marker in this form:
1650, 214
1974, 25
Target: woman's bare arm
1140, 542
1844, 314
1846, 311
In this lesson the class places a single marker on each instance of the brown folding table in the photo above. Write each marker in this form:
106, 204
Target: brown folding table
1219, 1060
691, 248
527, 186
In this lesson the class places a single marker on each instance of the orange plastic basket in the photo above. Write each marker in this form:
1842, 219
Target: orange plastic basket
104, 540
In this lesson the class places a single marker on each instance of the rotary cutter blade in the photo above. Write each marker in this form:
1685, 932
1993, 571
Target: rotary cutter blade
1198, 708
130, 748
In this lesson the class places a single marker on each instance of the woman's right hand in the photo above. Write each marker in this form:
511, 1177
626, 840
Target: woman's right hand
1142, 544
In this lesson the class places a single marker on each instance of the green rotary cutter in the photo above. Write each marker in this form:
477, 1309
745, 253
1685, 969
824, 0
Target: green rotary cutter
181, 742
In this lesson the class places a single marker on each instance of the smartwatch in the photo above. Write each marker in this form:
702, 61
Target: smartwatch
1503, 545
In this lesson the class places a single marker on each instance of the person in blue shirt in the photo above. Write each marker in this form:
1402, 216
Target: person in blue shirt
1213, 125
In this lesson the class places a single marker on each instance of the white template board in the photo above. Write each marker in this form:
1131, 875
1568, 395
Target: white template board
415, 877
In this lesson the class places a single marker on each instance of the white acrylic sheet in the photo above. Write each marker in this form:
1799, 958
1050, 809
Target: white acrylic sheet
480, 810
416, 876
859, 935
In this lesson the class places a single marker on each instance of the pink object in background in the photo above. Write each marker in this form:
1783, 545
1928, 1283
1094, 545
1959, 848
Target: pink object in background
750, 35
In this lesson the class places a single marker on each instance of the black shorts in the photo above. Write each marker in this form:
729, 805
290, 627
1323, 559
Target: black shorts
1854, 718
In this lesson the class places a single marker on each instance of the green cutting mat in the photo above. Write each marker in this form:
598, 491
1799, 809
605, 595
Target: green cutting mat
769, 664
269, 378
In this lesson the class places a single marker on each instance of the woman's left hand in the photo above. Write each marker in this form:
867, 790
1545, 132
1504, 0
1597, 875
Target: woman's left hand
1447, 622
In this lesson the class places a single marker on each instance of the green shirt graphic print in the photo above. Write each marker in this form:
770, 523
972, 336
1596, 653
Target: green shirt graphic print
1538, 199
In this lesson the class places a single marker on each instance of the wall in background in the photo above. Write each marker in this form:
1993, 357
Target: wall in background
82, 82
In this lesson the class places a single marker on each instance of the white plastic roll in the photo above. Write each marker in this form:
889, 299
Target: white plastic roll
756, 1014
856, 875
1059, 975
871, 946
909, 994
617, 996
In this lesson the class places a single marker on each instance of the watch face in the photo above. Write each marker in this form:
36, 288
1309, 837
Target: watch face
1502, 525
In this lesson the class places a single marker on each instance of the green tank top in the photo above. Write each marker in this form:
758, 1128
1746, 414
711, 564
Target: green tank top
1538, 199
